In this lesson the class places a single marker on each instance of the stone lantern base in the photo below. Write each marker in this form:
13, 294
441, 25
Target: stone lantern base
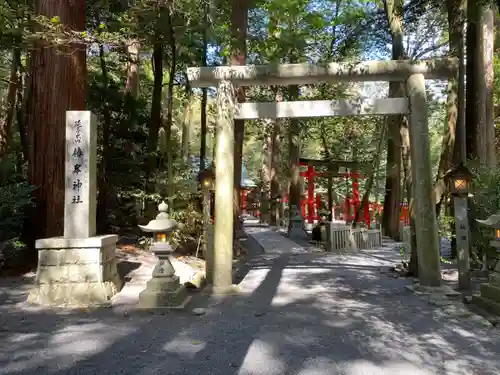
489, 298
161, 293
164, 290
76, 271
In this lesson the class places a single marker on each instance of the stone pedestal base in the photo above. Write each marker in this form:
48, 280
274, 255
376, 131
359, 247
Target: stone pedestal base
76, 272
489, 299
164, 292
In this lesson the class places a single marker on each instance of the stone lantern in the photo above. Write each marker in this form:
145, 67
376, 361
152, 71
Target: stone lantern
164, 289
459, 180
493, 222
490, 292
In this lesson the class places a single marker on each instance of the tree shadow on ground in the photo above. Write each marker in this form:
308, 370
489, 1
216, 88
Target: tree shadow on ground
297, 314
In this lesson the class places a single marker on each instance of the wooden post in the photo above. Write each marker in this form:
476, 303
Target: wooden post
224, 183
425, 215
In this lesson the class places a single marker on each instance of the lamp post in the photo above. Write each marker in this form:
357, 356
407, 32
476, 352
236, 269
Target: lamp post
459, 179
163, 290
207, 178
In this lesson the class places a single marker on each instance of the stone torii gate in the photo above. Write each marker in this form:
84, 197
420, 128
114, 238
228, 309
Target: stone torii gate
414, 73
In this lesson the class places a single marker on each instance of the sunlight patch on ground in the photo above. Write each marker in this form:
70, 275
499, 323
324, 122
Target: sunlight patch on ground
59, 350
363, 367
261, 359
318, 366
253, 280
185, 346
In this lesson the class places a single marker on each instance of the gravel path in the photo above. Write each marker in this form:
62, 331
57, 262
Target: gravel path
299, 313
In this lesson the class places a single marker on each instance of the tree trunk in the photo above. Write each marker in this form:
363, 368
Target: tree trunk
132, 75
103, 187
21, 113
239, 24
155, 120
203, 111
371, 179
6, 120
485, 83
186, 124
294, 160
58, 83
390, 219
275, 160
170, 110
265, 195
471, 95
455, 26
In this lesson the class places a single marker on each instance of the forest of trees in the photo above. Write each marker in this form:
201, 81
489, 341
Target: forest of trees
126, 61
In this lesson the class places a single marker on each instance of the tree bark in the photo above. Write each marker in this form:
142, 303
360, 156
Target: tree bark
132, 74
275, 160
186, 123
392, 199
455, 26
155, 118
13, 87
471, 95
239, 24
103, 187
170, 110
371, 179
203, 111
485, 82
294, 160
58, 83
265, 195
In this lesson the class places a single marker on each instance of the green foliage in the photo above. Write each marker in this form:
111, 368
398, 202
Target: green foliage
446, 226
278, 31
15, 197
485, 202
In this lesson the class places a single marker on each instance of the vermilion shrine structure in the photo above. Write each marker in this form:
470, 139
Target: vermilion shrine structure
349, 207
352, 171
414, 104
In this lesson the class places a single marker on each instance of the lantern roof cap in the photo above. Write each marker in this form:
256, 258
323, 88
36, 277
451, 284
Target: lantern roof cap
459, 170
162, 223
491, 221
207, 172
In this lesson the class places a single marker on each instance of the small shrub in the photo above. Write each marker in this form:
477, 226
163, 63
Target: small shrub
15, 197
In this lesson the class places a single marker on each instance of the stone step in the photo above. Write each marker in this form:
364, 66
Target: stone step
494, 278
490, 291
486, 304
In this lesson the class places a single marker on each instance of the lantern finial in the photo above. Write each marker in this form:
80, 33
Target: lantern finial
162, 208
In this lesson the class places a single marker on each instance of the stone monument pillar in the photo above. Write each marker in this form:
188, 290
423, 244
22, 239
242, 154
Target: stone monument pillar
78, 269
